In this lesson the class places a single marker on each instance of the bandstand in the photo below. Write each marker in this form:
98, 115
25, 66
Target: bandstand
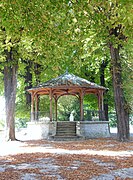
67, 84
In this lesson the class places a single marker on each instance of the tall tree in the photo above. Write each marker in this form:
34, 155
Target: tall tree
108, 19
10, 84
108, 23
10, 63
62, 35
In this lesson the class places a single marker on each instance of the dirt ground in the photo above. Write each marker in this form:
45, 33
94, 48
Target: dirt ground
94, 159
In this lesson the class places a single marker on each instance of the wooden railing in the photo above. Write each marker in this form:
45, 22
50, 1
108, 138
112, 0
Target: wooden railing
89, 115
93, 115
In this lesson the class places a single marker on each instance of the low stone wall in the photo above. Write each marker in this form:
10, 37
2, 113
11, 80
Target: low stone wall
38, 130
87, 129
94, 129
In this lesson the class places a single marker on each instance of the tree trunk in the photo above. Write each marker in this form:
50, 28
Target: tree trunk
37, 71
10, 83
120, 103
102, 81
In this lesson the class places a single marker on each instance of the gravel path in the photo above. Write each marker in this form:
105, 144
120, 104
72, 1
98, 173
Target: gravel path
48, 168
22, 159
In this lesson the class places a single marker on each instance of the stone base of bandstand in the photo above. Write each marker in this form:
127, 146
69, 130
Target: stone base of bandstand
87, 129
94, 129
40, 129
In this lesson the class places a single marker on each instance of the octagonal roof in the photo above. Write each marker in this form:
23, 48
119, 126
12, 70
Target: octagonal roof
67, 81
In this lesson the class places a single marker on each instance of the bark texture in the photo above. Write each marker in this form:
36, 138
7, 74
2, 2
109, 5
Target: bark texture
10, 84
120, 103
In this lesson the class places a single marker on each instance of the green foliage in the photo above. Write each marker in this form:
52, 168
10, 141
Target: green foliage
2, 124
21, 123
61, 34
131, 119
91, 102
1, 84
44, 106
112, 119
127, 66
66, 105
22, 111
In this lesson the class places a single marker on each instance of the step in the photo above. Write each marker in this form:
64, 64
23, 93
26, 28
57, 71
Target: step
66, 132
63, 127
66, 123
66, 129
66, 138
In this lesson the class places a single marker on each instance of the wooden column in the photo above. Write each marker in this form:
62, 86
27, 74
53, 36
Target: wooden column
36, 106
81, 106
100, 105
56, 99
100, 101
32, 107
50, 97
